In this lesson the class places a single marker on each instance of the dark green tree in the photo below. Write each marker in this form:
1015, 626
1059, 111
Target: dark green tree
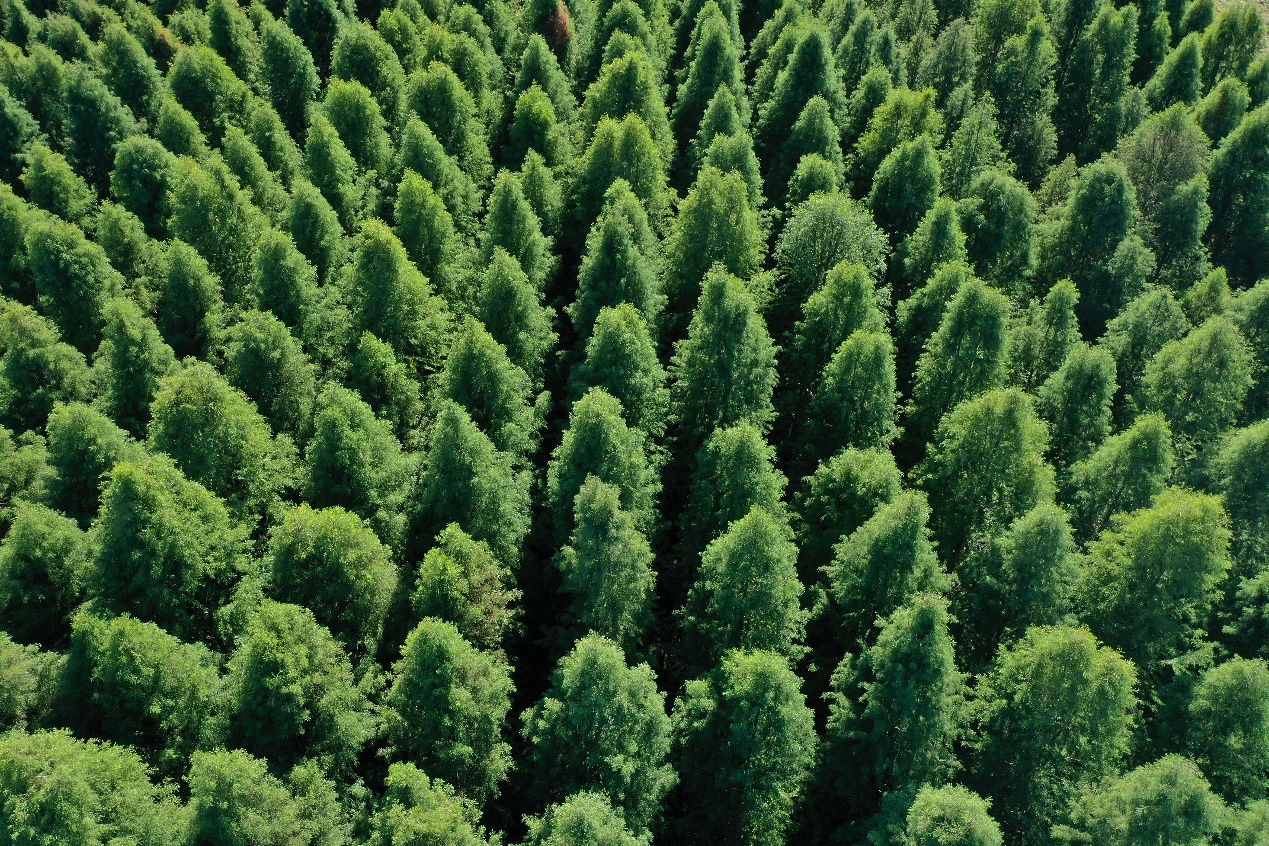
446, 709
165, 550
416, 807
288, 74
511, 309
1052, 672
744, 742
1238, 239
330, 561
854, 404
317, 22
460, 581
1135, 336
1075, 402
43, 573
267, 363
291, 693
1124, 474
1154, 575
950, 816
621, 359
905, 186
585, 817
936, 240
602, 727
36, 369
73, 278
997, 215
1228, 728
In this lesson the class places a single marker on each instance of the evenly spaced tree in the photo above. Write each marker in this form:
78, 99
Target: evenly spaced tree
1124, 474
1075, 402
73, 278
936, 240
905, 187
585, 817
165, 550
480, 378
83, 446
446, 708
511, 309
1168, 800
267, 363
724, 371
1135, 336
1238, 239
329, 561
998, 217
132, 683
513, 225
291, 693
44, 567
461, 582
607, 567
621, 359
1055, 716
464, 480
950, 816
744, 741
36, 369
854, 404
128, 365
219, 440
1228, 728
415, 807
985, 468
602, 727
1153, 576
598, 442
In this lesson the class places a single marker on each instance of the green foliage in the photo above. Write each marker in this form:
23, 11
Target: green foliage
583, 818
1125, 473
607, 567
480, 378
61, 790
1153, 575
1167, 800
621, 359
723, 372
602, 727
461, 582
134, 684
266, 362
466, 481
83, 446
895, 711
415, 808
218, 439
1228, 728
985, 468
36, 369
43, 574
950, 816
446, 708
905, 186
330, 561
1055, 714
72, 277
744, 742
164, 548
854, 404
1075, 402
291, 694
235, 801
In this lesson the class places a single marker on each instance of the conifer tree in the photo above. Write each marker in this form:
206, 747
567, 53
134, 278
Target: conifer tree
169, 717
96, 120
511, 309
446, 708
837, 499
998, 216
628, 86
584, 817
44, 569
480, 378
936, 240
620, 149
854, 403
129, 363
1057, 670
734, 154
1023, 577
1239, 241
421, 151
1199, 382
607, 567
723, 372
73, 278
217, 437
141, 178
598, 442
602, 727
360, 54
1145, 325
1176, 80
538, 66
51, 184
1229, 732
1126, 472
329, 561
903, 116
332, 169
21, 130
621, 359
165, 549
950, 816
461, 582
513, 225
810, 71
178, 131
1168, 798
1153, 576
285, 283
821, 233
620, 263
465, 481
1094, 80
212, 214
715, 64
392, 300
973, 148
357, 118
1021, 81
266, 362
317, 22
895, 712
353, 461
439, 99
905, 187
83, 447
985, 468
1075, 402
715, 226
291, 693
744, 740
37, 369
534, 126
734, 473
963, 358
314, 226
746, 594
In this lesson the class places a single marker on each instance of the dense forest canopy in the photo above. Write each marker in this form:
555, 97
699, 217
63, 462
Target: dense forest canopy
608, 422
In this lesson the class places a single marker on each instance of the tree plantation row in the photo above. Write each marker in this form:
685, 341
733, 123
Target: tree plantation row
617, 422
